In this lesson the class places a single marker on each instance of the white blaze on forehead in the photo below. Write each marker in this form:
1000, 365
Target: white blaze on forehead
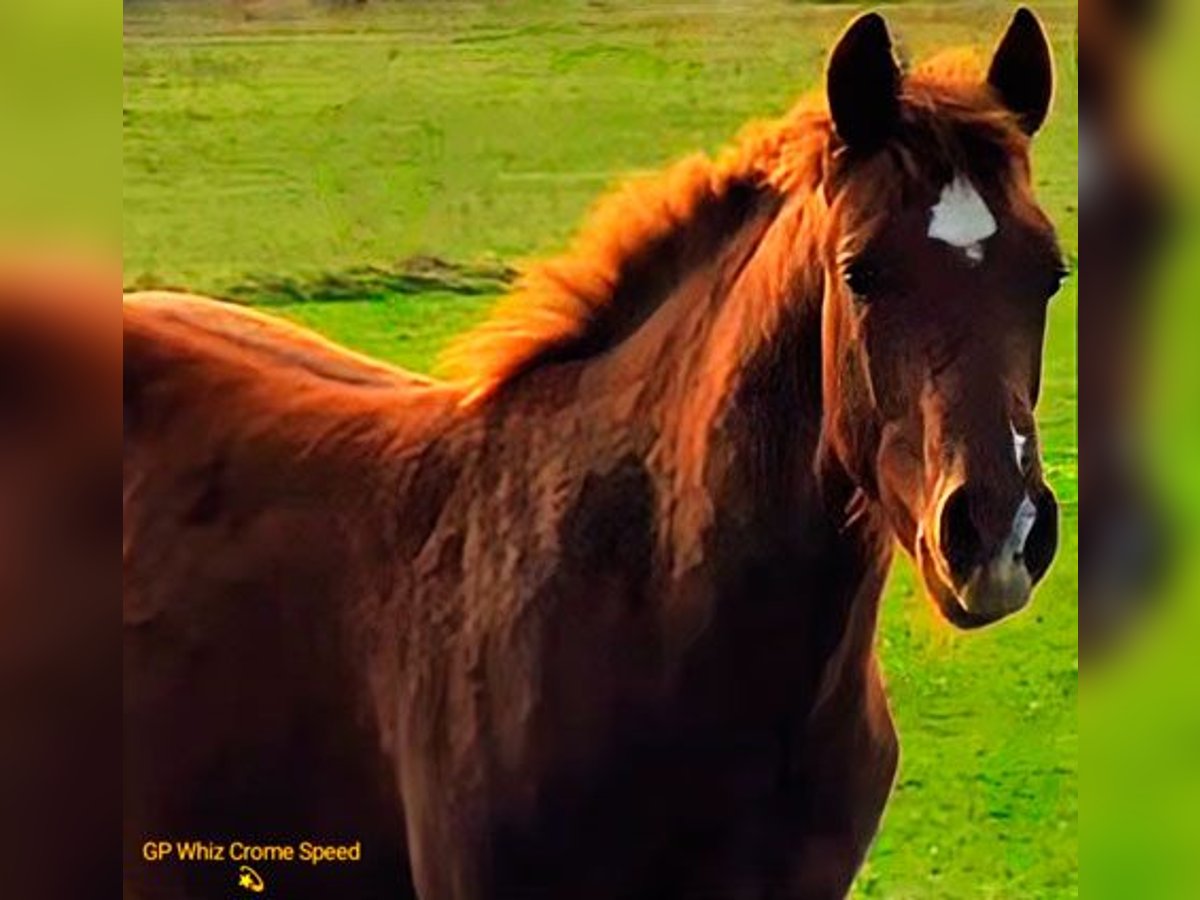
962, 219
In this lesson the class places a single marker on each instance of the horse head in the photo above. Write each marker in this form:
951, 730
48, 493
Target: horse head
938, 265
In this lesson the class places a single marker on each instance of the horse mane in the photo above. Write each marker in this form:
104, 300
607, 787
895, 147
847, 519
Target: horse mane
640, 239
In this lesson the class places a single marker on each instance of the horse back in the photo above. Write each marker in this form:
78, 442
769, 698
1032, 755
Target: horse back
257, 532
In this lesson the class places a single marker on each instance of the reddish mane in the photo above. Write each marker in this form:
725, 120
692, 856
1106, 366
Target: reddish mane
568, 305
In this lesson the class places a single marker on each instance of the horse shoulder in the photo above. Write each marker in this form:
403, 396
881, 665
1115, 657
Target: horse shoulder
249, 439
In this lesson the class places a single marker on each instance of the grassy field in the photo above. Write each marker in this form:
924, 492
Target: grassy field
373, 175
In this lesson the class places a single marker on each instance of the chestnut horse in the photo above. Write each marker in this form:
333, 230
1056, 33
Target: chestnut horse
596, 619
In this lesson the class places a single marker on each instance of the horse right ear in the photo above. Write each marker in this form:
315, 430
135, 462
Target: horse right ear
863, 84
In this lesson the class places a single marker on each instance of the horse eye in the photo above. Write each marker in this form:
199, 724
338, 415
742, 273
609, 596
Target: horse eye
862, 278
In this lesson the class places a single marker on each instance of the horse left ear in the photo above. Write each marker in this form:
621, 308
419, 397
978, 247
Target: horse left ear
863, 84
1022, 70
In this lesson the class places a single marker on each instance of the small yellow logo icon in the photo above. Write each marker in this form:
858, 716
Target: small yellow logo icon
250, 880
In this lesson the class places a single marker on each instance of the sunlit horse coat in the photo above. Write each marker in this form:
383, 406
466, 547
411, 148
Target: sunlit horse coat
596, 620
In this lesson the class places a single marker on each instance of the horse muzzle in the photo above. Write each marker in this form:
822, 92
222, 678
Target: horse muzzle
980, 558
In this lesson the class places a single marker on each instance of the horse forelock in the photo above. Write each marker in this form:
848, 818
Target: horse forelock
640, 240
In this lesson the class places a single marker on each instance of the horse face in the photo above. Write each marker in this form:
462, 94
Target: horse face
933, 332
951, 348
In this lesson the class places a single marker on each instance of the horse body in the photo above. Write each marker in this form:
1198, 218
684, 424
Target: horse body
567, 671
630, 685
599, 626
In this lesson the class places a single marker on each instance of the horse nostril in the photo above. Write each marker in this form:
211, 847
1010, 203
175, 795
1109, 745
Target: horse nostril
1042, 542
961, 545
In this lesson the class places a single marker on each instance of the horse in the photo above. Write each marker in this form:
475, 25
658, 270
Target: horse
594, 617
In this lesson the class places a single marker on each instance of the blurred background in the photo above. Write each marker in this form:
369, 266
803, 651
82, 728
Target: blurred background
61, 149
1139, 406
60, 355
377, 170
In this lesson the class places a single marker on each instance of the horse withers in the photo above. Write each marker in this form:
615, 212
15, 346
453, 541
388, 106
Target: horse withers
595, 618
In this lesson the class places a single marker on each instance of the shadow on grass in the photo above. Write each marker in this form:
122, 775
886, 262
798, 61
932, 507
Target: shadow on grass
413, 276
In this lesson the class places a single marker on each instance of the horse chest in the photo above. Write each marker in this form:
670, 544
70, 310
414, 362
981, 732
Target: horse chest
689, 806
714, 783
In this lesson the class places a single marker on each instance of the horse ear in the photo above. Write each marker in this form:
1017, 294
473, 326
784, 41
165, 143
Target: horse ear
1022, 70
863, 84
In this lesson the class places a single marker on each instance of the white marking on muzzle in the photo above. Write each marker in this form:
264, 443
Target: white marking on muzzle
1004, 584
962, 219
1022, 524
1020, 441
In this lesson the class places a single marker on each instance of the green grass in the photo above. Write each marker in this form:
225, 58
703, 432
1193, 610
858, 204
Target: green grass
305, 162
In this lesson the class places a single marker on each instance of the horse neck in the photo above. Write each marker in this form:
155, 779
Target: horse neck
730, 372
735, 397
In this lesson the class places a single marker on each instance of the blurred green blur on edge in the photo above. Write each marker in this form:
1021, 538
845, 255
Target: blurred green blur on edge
1140, 703
60, 155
